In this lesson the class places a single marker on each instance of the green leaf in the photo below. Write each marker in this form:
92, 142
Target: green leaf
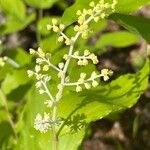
19, 55
45, 43
123, 6
14, 8
13, 25
14, 80
134, 24
43, 4
117, 39
5, 134
4, 70
130, 6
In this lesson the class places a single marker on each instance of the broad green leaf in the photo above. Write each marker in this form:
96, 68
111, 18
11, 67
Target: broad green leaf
117, 39
130, 6
4, 70
43, 4
13, 8
19, 55
6, 132
123, 6
135, 24
13, 25
50, 43
14, 80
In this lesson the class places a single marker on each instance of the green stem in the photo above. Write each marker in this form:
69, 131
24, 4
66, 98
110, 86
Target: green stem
3, 97
54, 134
60, 91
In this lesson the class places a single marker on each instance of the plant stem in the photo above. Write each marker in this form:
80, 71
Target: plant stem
60, 91
55, 139
11, 62
3, 97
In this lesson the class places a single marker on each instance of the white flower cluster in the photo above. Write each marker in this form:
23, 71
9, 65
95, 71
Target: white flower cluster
96, 12
42, 65
42, 124
58, 28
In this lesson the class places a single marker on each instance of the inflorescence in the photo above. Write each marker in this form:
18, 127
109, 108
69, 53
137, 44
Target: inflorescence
43, 61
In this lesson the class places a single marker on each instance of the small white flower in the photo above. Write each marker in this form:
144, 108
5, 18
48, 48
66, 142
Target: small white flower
32, 51
83, 75
76, 53
60, 74
39, 60
49, 27
87, 85
38, 84
37, 68
61, 27
60, 39
65, 56
30, 73
93, 75
54, 21
94, 83
41, 91
61, 65
2, 62
48, 103
78, 88
86, 52
45, 67
42, 123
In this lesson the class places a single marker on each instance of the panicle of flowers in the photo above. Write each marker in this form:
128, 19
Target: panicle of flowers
57, 27
42, 123
96, 12
41, 73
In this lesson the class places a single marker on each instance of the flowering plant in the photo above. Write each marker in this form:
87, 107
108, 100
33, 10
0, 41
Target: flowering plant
96, 12
69, 90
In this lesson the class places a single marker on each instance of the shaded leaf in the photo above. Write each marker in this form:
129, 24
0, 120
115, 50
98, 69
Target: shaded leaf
13, 8
134, 24
14, 80
117, 39
13, 25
